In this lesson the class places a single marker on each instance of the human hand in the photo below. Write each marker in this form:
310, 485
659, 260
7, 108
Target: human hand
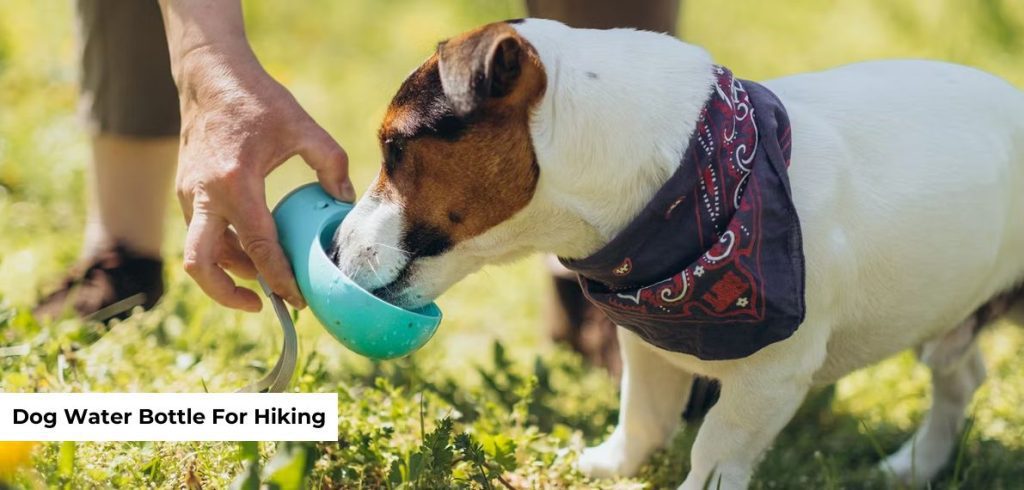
239, 124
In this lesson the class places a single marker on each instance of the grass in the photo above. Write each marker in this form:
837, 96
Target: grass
490, 401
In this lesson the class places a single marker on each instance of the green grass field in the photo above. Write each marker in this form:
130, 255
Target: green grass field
491, 369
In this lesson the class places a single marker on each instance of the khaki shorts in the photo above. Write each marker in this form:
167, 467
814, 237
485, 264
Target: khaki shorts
126, 84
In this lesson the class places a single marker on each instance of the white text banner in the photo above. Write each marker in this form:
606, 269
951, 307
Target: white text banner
168, 416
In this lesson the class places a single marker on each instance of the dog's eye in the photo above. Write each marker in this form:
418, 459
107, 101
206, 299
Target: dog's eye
394, 150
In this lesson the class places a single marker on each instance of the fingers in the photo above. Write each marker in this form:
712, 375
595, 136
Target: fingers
185, 200
233, 258
205, 232
258, 237
330, 161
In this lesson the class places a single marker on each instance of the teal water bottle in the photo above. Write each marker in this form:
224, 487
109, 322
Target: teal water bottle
306, 221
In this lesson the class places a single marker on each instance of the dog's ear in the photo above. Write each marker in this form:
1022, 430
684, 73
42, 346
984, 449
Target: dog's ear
490, 63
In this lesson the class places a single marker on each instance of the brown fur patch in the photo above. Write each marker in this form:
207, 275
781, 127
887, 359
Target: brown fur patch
458, 173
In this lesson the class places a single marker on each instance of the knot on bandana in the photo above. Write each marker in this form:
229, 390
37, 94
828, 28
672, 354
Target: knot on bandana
713, 266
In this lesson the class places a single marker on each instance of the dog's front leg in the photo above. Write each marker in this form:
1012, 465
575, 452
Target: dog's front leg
653, 395
755, 404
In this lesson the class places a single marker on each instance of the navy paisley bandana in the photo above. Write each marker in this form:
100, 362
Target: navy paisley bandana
713, 266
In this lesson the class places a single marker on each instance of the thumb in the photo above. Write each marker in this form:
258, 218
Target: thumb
330, 161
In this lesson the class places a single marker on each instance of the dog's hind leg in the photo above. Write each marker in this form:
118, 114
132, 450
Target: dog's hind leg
653, 395
957, 371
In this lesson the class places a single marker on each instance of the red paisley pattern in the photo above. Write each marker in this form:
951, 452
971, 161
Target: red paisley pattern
722, 235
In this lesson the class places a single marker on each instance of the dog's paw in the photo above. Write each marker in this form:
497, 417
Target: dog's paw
897, 471
608, 460
907, 472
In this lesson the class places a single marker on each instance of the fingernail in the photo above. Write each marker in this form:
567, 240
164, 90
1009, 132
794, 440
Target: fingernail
347, 191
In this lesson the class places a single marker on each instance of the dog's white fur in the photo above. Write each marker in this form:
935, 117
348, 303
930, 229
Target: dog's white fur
908, 177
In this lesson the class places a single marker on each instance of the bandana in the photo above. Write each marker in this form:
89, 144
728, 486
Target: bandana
713, 266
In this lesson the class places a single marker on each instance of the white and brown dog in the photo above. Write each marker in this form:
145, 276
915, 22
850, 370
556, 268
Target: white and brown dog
907, 176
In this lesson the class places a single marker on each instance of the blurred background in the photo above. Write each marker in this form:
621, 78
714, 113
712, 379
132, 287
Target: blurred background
343, 61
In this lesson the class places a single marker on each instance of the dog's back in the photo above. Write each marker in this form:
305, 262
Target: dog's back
909, 179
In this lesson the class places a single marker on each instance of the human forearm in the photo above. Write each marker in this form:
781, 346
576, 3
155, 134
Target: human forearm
204, 31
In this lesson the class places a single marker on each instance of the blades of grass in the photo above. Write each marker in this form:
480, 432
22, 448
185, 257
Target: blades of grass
423, 431
960, 452
15, 350
249, 451
505, 483
62, 364
827, 471
249, 478
66, 459
290, 467
878, 449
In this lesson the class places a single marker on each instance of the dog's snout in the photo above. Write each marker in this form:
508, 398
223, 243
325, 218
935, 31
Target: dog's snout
346, 252
426, 241
366, 248
337, 245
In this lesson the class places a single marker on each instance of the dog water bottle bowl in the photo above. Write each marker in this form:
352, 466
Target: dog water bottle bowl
306, 220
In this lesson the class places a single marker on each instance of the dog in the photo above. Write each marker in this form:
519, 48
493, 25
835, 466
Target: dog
907, 177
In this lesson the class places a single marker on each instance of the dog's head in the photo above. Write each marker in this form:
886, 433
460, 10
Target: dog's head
458, 165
